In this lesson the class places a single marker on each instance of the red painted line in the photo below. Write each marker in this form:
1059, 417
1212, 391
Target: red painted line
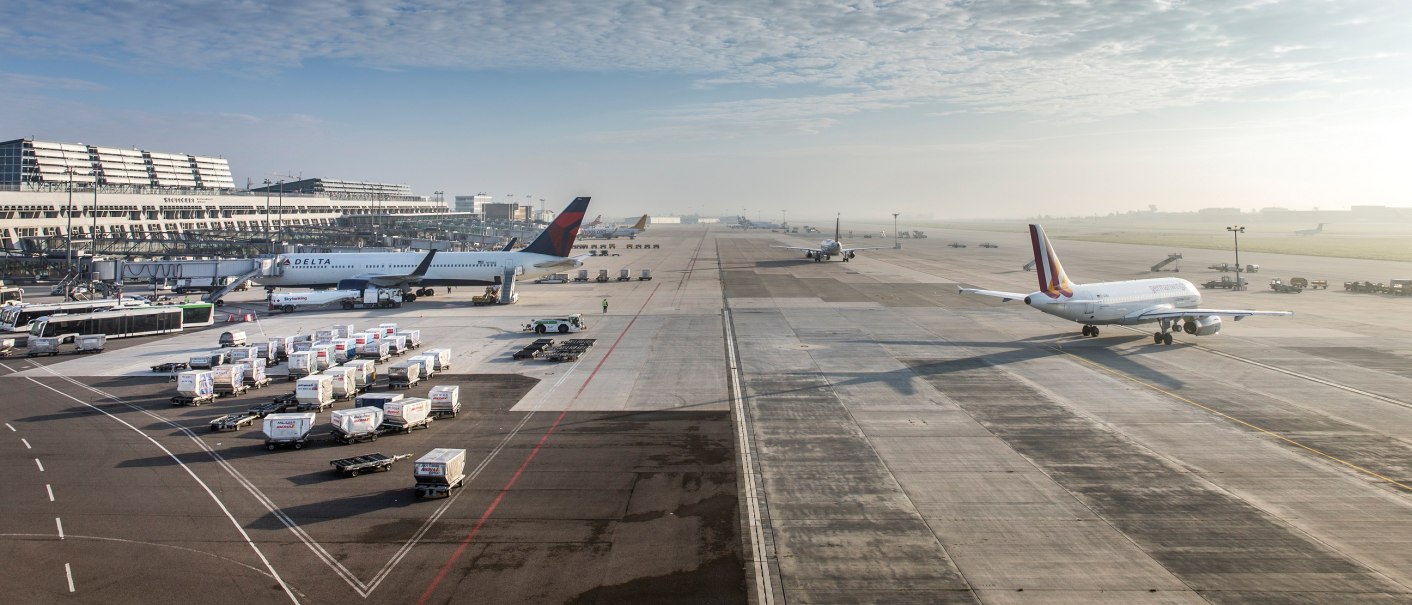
461, 549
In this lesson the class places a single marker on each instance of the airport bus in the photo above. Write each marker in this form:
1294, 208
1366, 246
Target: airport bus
16, 318
197, 314
115, 323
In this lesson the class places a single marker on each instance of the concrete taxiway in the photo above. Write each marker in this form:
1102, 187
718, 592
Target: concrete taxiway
755, 427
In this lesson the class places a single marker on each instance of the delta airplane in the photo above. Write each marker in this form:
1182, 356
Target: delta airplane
830, 248
548, 253
613, 231
1171, 302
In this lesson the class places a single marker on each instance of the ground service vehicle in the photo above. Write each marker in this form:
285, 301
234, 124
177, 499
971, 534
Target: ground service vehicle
439, 471
1226, 282
16, 318
114, 323
556, 278
1280, 286
288, 429
348, 298
562, 325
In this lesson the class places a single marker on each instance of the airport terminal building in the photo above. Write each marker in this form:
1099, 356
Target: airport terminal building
50, 189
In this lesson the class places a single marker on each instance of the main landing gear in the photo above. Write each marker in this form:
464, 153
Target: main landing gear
1090, 330
1162, 338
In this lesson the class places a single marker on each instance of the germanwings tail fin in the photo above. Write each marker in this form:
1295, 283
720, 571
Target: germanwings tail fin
558, 238
641, 223
1052, 280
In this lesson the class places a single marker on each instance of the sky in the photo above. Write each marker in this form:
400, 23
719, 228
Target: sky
940, 110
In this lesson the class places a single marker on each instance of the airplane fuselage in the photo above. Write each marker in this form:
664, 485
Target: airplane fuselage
1119, 302
314, 270
830, 247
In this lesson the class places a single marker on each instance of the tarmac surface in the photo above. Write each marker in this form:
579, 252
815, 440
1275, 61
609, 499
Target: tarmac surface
751, 426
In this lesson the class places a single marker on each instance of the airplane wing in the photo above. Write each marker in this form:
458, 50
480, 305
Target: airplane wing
814, 250
1238, 314
568, 261
1003, 296
847, 250
392, 280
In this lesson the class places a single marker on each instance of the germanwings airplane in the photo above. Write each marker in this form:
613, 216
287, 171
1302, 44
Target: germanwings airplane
830, 248
1171, 302
613, 231
548, 253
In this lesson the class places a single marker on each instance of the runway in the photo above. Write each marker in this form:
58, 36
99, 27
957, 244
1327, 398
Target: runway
755, 427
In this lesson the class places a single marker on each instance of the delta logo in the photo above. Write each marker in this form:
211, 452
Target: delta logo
307, 261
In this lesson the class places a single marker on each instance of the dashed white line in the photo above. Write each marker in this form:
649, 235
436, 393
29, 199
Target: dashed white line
60, 524
69, 573
40, 464
26, 442
50, 489
12, 429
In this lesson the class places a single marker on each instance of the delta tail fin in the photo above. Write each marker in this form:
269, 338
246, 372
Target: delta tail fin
558, 238
1053, 282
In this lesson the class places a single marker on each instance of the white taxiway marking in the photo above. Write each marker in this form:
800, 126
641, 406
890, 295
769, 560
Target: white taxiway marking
50, 489
60, 524
26, 442
7, 425
40, 464
69, 573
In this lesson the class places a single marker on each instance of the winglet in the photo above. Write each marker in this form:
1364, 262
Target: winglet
641, 223
425, 264
558, 238
1052, 280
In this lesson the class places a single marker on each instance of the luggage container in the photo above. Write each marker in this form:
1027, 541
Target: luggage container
230, 379
344, 387
439, 471
288, 429
646, 275
582, 276
255, 376
387, 330
343, 350
323, 356
357, 424
314, 392
323, 336
301, 364
342, 330
428, 364
362, 338
441, 357
397, 345
376, 350
377, 400
414, 338
364, 373
238, 354
206, 361
43, 345
404, 375
283, 346
90, 343
195, 387
267, 352
624, 275
407, 414
233, 338
445, 400
303, 345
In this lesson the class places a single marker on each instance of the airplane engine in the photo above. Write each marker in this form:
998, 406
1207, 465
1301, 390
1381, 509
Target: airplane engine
852, 254
1202, 326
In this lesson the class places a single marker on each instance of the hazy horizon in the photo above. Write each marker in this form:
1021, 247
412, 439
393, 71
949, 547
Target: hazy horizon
961, 111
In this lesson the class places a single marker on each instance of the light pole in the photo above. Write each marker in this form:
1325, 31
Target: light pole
1235, 232
69, 225
281, 211
93, 234
269, 243
896, 245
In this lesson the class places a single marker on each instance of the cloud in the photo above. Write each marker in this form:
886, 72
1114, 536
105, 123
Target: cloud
1070, 60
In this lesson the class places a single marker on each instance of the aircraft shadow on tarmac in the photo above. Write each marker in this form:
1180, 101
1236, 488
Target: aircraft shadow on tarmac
339, 508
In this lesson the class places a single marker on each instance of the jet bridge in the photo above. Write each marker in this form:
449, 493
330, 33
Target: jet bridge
212, 271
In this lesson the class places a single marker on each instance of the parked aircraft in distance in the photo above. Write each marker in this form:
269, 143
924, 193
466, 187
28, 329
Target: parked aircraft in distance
1171, 302
612, 231
548, 253
830, 248
1314, 231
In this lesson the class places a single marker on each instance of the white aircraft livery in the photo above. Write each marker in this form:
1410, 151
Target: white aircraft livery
548, 253
1171, 302
830, 248
613, 231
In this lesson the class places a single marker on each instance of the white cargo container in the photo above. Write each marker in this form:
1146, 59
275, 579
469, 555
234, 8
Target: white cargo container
397, 344
445, 400
255, 372
90, 343
403, 375
376, 350
314, 392
441, 357
195, 387
340, 352
42, 345
440, 471
230, 378
207, 360
387, 330
364, 373
362, 338
323, 336
407, 413
357, 424
377, 400
427, 362
267, 352
323, 354
342, 330
301, 364
233, 338
303, 345
344, 387
414, 338
240, 353
283, 346
292, 428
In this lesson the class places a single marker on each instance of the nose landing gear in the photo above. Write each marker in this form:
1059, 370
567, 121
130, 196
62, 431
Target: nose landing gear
1090, 330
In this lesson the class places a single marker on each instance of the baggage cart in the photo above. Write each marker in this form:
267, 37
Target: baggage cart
314, 392
172, 366
364, 373
233, 338
288, 429
407, 414
255, 376
230, 379
43, 345
377, 400
368, 463
445, 400
438, 472
344, 386
414, 338
231, 422
357, 424
441, 357
404, 375
195, 387
90, 343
